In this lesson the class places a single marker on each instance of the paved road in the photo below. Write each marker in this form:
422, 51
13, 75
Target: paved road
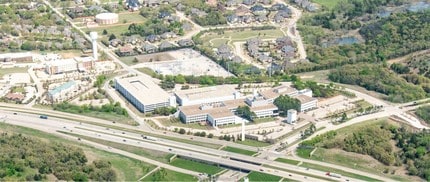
54, 124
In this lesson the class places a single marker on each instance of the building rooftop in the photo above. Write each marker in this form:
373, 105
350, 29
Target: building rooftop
277, 91
144, 90
60, 62
305, 99
206, 92
62, 87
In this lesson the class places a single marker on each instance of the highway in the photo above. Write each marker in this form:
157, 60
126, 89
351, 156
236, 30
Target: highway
52, 125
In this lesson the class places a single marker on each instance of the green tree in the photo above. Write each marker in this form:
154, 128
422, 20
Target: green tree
245, 112
285, 103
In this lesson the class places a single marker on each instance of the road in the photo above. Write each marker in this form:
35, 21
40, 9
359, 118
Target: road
212, 155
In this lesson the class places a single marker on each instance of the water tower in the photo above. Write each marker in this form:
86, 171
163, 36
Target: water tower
94, 37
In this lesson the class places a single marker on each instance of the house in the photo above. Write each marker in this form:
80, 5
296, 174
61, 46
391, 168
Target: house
249, 2
166, 45
288, 51
185, 42
281, 15
197, 12
152, 38
241, 11
152, 3
187, 26
164, 14
17, 97
232, 18
132, 5
277, 7
281, 41
261, 18
258, 10
264, 58
77, 10
125, 51
168, 35
134, 39
115, 42
231, 3
149, 48
265, 2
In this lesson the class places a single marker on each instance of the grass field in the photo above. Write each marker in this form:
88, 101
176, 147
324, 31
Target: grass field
239, 151
116, 29
128, 60
171, 122
168, 175
126, 168
130, 18
5, 71
196, 166
288, 161
253, 143
330, 4
112, 117
257, 176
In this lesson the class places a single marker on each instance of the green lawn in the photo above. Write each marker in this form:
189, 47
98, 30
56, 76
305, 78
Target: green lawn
253, 143
131, 18
304, 152
112, 117
196, 166
177, 122
128, 60
344, 173
288, 161
238, 150
330, 4
117, 30
257, 176
168, 175
5, 71
127, 169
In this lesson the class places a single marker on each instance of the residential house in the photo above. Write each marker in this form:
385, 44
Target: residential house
149, 48
249, 2
185, 42
167, 35
258, 10
115, 42
125, 51
152, 38
165, 45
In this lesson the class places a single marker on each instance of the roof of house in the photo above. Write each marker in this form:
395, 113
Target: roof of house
305, 99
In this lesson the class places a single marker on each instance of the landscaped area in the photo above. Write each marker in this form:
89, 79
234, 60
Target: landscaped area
168, 175
196, 166
238, 150
5, 71
257, 176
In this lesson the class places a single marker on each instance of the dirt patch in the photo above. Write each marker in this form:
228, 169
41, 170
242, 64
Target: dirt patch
157, 57
90, 156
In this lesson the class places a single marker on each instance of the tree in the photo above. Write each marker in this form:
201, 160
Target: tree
111, 37
105, 32
245, 112
182, 131
210, 135
285, 103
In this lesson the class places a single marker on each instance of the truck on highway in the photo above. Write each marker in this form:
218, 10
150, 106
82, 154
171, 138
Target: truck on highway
150, 138
333, 175
43, 117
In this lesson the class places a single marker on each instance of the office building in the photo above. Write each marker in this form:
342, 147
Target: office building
144, 94
207, 95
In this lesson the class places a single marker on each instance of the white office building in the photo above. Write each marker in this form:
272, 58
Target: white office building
306, 102
144, 94
207, 95
61, 66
